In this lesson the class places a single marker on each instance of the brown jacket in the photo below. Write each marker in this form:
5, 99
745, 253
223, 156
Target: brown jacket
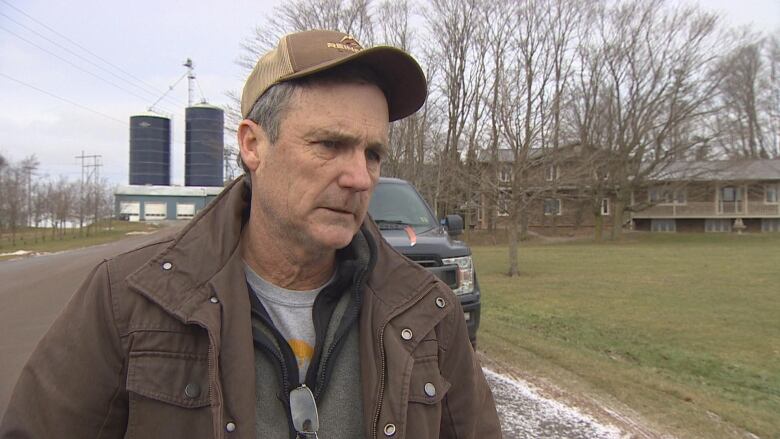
157, 343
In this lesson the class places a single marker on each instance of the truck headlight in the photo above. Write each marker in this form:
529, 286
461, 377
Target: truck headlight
465, 273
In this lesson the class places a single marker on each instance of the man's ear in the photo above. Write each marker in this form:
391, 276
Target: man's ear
252, 142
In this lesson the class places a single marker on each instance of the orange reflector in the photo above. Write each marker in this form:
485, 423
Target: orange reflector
412, 236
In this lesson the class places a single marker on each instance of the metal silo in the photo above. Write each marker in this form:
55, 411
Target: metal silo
204, 147
150, 149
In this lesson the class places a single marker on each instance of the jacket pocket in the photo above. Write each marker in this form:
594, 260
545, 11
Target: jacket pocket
427, 389
426, 385
169, 395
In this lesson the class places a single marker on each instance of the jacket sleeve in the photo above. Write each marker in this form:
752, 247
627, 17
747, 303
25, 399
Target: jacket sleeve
469, 411
73, 384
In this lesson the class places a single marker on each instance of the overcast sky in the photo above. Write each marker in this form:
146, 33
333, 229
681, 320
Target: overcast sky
149, 40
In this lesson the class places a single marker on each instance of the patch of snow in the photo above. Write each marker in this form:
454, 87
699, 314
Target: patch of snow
525, 413
139, 233
16, 253
23, 253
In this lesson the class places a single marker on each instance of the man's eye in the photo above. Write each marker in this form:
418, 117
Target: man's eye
373, 155
329, 143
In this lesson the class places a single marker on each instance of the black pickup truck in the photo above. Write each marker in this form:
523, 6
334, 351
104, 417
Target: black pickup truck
410, 226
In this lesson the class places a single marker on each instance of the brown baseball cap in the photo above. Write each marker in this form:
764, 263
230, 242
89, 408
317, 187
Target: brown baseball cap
305, 53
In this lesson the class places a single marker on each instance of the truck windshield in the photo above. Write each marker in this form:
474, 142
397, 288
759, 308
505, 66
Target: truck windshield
394, 206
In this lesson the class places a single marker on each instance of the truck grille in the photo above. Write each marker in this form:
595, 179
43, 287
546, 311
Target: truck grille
426, 261
448, 274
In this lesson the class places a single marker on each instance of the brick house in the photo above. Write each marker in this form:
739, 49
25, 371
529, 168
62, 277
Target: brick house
561, 196
687, 196
712, 196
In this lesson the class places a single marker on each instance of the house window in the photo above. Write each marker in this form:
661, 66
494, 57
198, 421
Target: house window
717, 225
680, 196
730, 199
771, 193
503, 203
661, 195
505, 174
604, 206
770, 225
730, 194
601, 174
552, 206
663, 225
654, 195
552, 173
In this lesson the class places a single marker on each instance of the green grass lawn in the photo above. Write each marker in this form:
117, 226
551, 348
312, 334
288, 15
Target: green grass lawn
41, 240
683, 329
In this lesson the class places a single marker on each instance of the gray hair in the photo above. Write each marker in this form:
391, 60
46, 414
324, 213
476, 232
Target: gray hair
268, 111
271, 107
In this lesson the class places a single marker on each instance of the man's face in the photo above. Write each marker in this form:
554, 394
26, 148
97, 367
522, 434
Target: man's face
313, 185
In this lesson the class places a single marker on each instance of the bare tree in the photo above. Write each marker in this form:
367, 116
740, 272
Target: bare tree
452, 25
773, 96
407, 137
526, 78
748, 98
586, 119
353, 17
658, 62
502, 25
13, 198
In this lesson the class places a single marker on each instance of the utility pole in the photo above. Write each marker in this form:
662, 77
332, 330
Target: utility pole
29, 169
84, 167
96, 173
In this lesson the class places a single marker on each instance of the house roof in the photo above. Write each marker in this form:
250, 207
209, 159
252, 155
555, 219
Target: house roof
721, 170
172, 191
506, 155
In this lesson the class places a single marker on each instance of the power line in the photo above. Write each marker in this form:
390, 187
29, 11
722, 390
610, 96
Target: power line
144, 89
202, 97
77, 66
81, 47
63, 99
169, 90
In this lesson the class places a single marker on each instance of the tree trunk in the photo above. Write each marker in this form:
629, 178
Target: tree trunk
524, 225
513, 247
467, 223
598, 227
617, 219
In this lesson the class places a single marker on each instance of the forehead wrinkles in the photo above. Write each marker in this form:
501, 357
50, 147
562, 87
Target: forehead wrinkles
314, 113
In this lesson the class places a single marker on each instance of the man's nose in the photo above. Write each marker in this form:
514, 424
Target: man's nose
356, 174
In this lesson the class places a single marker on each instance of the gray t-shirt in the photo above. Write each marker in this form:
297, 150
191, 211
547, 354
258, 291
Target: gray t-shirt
291, 313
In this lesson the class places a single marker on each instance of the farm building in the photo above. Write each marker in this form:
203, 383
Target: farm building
158, 203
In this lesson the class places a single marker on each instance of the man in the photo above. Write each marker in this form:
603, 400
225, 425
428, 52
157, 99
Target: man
279, 311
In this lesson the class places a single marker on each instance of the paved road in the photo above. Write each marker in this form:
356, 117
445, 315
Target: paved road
33, 291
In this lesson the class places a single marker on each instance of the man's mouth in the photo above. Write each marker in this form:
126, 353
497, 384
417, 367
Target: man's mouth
341, 211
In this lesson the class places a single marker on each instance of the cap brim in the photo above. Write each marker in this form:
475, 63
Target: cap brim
403, 80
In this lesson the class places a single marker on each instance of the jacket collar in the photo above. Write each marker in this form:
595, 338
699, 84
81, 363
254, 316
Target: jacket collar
407, 278
176, 277
206, 245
